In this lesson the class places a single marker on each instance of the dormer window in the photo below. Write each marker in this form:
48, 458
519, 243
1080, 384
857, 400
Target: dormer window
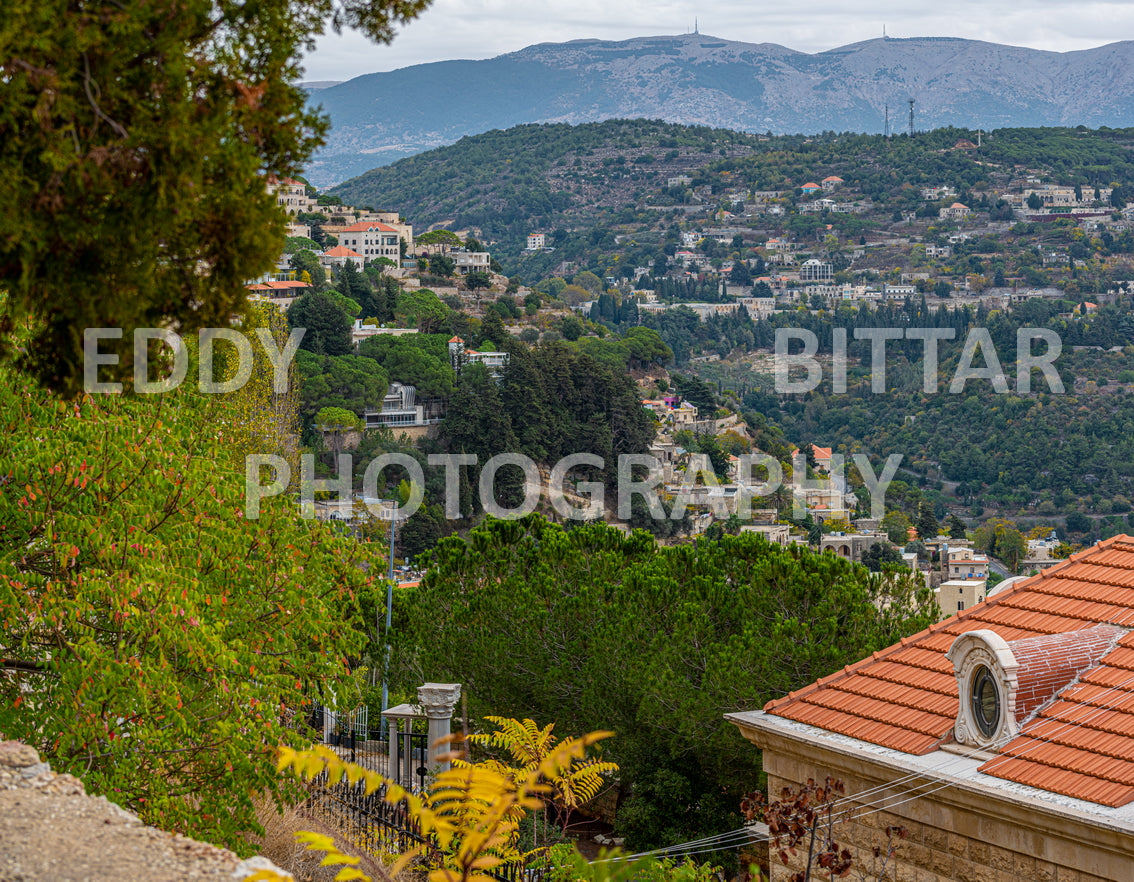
1001, 685
986, 683
985, 701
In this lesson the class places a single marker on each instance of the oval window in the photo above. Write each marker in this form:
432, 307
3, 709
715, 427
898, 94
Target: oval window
985, 701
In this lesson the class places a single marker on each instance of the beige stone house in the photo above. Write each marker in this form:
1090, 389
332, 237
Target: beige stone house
1001, 739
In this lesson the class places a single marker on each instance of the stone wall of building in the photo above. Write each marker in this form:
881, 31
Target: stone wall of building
943, 844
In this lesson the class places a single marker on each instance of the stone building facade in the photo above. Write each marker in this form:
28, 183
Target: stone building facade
1001, 739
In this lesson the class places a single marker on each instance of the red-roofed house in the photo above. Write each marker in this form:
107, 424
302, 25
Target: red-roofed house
339, 255
371, 239
281, 293
1002, 739
831, 182
810, 188
956, 211
291, 195
822, 457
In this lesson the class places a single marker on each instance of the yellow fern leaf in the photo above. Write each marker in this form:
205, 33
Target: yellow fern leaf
337, 857
316, 841
268, 876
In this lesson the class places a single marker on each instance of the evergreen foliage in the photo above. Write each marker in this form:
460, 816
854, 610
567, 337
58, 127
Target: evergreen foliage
653, 642
135, 140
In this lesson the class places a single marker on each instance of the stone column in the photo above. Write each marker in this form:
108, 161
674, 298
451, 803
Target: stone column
392, 749
438, 701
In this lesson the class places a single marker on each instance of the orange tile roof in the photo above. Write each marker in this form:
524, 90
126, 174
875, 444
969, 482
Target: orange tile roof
1080, 741
341, 251
368, 226
277, 286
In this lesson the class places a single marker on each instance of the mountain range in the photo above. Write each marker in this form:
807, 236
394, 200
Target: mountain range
696, 79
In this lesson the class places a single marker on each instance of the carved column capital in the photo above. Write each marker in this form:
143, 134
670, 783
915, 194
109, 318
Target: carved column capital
438, 700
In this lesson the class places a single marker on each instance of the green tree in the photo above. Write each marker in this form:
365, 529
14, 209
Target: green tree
589, 282
477, 422
479, 279
1001, 539
132, 199
421, 309
351, 307
336, 419
334, 423
1078, 523
659, 642
356, 286
740, 274
154, 639
896, 526
492, 331
571, 328
927, 525
326, 325
647, 348
351, 382
440, 237
1034, 201
419, 360
879, 555
305, 261
300, 243
442, 265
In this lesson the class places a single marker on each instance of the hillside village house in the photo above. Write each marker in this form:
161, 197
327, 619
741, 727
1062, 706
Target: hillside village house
339, 255
467, 262
280, 292
956, 211
291, 195
954, 595
536, 241
1001, 739
371, 239
815, 270
964, 563
460, 355
932, 194
403, 412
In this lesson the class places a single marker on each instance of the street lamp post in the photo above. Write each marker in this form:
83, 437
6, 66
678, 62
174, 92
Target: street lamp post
389, 620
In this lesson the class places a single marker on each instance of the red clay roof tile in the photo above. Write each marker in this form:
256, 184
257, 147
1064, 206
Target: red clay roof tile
1079, 743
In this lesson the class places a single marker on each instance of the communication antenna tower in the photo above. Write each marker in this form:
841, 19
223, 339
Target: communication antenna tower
911, 117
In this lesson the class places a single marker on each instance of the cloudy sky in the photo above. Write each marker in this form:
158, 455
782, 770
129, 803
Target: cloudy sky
483, 28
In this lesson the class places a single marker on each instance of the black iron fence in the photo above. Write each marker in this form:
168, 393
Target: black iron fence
381, 829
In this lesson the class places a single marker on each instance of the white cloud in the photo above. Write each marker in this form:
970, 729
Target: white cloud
484, 28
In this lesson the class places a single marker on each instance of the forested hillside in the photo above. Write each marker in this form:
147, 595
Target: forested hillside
588, 183
503, 182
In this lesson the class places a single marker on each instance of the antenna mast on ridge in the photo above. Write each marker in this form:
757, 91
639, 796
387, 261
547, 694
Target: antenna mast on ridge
911, 117
886, 126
